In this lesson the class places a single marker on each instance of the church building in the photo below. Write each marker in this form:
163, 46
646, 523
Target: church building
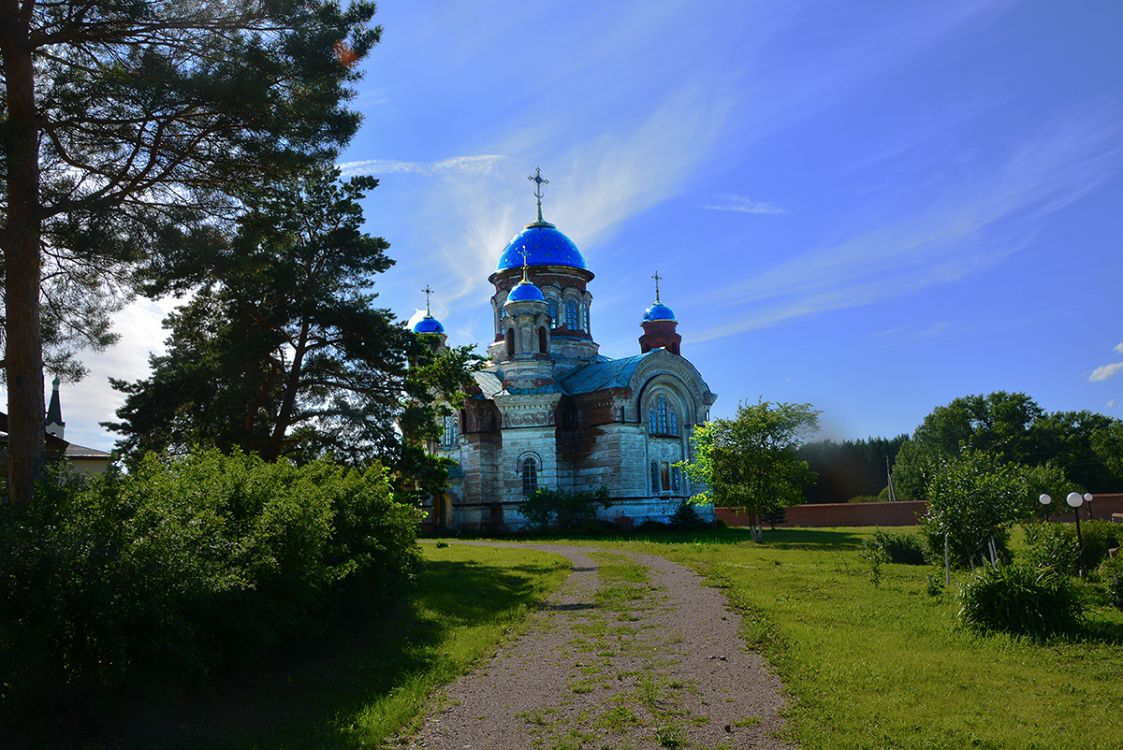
549, 410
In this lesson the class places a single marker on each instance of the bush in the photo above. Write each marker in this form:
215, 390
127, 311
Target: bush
1099, 537
686, 518
568, 510
1022, 600
1052, 546
898, 547
169, 571
867, 499
652, 527
1111, 571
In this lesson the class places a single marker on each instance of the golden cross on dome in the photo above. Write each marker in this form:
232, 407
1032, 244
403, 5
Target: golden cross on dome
657, 278
428, 292
539, 181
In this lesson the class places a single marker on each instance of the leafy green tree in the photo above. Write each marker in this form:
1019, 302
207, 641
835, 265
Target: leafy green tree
284, 352
1107, 444
1012, 427
849, 468
752, 462
128, 126
976, 496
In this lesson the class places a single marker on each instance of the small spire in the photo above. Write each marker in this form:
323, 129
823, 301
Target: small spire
657, 278
428, 292
525, 254
539, 181
55, 383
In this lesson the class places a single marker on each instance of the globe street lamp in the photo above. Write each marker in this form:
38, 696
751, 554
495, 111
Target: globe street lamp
1075, 500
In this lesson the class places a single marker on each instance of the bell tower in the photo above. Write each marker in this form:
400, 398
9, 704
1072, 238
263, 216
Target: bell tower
660, 328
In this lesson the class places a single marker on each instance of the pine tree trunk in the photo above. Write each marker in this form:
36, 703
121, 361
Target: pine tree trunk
22, 264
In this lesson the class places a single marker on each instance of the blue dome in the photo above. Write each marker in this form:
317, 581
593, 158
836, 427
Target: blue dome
659, 311
525, 291
545, 246
428, 324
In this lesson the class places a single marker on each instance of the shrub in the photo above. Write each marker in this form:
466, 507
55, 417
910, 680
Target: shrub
1099, 537
686, 518
172, 569
1022, 600
898, 547
651, 527
867, 499
1052, 546
569, 510
1111, 571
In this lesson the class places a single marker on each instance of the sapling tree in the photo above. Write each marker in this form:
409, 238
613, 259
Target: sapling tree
751, 462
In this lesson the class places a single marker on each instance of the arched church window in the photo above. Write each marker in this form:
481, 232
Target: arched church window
571, 315
584, 317
666, 476
530, 476
510, 342
652, 422
662, 407
674, 422
542, 341
654, 476
553, 310
676, 478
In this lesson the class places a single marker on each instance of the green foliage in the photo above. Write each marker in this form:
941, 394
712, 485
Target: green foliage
685, 518
181, 564
974, 498
1099, 537
752, 462
1111, 571
1084, 445
1052, 546
849, 468
903, 548
565, 510
1022, 600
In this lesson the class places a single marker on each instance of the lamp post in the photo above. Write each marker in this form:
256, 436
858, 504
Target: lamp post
1044, 499
1075, 500
1088, 497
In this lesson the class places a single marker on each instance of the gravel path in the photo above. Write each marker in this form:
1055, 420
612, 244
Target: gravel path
633, 651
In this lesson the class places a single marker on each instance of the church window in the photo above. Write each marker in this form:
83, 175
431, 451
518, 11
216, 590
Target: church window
571, 315
652, 422
662, 407
654, 476
542, 348
666, 476
510, 342
553, 303
530, 476
674, 422
676, 478
584, 317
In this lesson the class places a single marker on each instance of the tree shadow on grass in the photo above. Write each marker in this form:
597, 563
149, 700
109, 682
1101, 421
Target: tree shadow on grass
306, 694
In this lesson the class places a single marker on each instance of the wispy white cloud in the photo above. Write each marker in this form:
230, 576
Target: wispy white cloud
990, 218
1119, 347
475, 165
1104, 372
742, 204
1111, 403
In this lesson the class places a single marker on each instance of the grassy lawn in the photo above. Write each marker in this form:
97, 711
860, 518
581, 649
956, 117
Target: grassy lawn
888, 666
357, 688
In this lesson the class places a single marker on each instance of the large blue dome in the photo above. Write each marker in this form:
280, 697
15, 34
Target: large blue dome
428, 324
525, 291
545, 246
659, 311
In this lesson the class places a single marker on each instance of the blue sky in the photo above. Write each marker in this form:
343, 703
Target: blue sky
872, 207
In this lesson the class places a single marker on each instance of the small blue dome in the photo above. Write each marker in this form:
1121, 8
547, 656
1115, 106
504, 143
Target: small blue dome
659, 311
428, 324
545, 246
525, 291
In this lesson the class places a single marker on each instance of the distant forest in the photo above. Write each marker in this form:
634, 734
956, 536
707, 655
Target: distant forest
850, 468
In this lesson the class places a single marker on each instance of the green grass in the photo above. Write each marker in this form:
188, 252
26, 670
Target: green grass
358, 688
888, 666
